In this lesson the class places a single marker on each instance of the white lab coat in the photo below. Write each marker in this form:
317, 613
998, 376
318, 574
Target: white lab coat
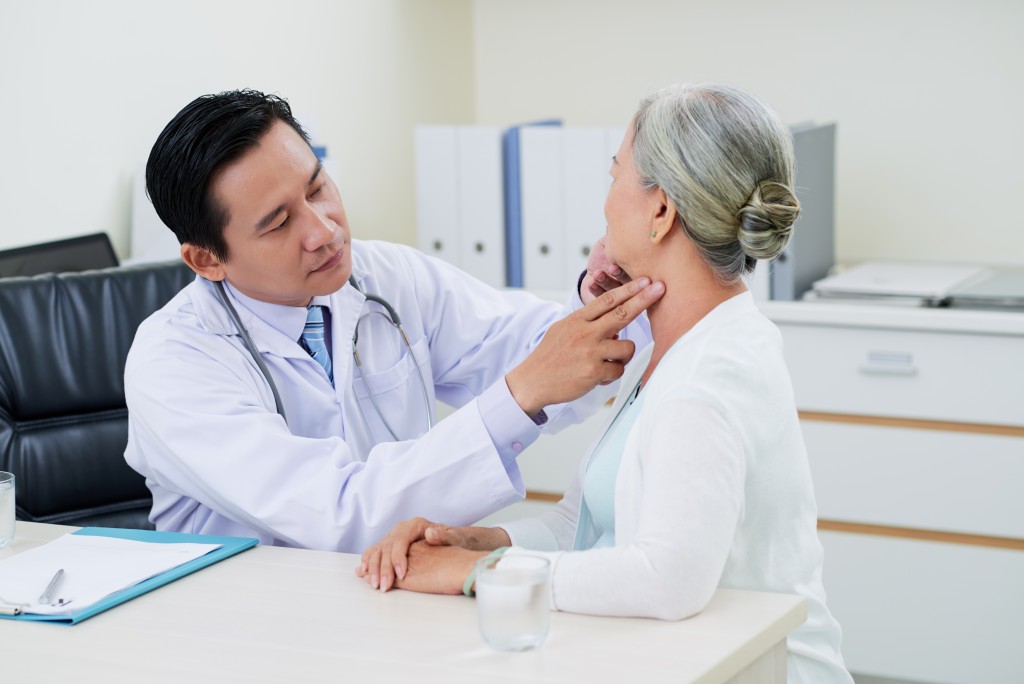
204, 431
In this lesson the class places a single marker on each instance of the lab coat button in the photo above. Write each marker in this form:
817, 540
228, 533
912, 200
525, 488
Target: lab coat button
517, 446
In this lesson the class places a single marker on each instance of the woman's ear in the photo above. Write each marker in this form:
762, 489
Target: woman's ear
664, 216
203, 261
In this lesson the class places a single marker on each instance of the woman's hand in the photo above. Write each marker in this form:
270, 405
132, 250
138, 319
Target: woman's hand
438, 569
386, 559
471, 538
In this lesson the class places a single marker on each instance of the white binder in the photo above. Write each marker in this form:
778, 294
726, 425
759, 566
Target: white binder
585, 174
437, 196
543, 207
481, 211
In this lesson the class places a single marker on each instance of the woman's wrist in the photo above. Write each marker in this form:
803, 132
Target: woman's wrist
469, 585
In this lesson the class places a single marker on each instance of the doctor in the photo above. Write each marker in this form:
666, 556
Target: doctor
288, 392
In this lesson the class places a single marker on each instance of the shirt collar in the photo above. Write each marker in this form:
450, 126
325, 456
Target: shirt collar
288, 320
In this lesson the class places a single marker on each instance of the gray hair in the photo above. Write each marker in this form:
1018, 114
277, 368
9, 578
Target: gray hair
725, 161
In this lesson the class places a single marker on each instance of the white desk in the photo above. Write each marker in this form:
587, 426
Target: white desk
287, 615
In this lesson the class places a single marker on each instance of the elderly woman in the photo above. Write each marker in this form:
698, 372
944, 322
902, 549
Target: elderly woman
701, 479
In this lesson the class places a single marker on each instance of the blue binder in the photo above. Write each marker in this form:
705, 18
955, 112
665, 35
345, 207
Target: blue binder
513, 203
229, 547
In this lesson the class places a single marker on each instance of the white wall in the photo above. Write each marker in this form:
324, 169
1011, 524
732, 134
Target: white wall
85, 87
928, 96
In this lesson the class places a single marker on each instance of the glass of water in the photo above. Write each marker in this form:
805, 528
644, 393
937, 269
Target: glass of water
512, 599
6, 508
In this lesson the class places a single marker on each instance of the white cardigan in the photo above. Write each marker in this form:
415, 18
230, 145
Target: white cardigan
713, 490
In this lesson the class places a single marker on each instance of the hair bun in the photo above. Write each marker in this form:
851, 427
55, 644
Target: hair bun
766, 220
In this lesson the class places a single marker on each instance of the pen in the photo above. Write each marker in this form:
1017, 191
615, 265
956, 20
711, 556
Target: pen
47, 596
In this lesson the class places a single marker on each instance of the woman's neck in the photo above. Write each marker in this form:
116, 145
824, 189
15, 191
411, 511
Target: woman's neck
691, 293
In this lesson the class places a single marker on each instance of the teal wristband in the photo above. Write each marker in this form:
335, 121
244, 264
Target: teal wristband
467, 586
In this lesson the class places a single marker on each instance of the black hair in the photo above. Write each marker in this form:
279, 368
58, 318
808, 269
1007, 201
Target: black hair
210, 132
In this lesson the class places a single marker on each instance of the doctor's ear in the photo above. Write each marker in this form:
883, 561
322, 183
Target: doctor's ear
202, 261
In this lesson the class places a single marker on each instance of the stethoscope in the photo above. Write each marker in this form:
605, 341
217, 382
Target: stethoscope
393, 319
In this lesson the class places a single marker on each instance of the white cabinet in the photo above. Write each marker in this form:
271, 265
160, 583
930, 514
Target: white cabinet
927, 611
929, 375
914, 423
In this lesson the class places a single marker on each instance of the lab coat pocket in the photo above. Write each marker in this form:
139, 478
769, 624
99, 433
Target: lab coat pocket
398, 401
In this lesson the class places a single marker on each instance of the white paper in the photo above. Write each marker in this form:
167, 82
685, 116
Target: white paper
94, 567
899, 279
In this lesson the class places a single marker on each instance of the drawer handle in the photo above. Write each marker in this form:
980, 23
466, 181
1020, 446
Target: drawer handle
889, 363
888, 370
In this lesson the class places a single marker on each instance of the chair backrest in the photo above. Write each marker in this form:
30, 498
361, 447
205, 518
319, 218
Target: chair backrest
64, 339
80, 253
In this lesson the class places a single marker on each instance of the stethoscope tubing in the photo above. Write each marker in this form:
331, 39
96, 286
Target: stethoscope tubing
394, 319
251, 348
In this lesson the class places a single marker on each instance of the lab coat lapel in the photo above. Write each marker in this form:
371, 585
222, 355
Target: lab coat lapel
215, 318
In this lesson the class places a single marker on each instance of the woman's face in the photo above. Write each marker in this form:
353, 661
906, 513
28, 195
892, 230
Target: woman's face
629, 210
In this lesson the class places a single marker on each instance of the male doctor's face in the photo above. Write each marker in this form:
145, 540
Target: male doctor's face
286, 233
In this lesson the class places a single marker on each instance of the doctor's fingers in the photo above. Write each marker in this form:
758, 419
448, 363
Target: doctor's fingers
615, 309
599, 282
620, 351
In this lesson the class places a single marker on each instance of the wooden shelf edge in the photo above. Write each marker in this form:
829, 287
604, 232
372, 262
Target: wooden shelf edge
548, 497
922, 535
913, 423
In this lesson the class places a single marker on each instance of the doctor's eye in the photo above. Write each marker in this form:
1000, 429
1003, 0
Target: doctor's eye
317, 191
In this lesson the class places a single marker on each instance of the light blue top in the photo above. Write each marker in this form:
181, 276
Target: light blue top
603, 469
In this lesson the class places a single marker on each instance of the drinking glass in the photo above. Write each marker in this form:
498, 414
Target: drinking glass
6, 508
512, 598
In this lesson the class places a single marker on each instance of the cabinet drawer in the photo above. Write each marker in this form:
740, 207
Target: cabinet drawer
927, 479
926, 611
960, 377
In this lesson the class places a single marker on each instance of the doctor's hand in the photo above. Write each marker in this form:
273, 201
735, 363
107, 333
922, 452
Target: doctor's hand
602, 274
582, 350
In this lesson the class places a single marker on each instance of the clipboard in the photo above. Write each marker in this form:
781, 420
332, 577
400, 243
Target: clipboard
229, 546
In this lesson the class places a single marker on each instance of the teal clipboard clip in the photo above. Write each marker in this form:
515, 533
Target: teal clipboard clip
229, 546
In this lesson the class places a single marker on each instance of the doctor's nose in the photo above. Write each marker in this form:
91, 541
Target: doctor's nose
319, 231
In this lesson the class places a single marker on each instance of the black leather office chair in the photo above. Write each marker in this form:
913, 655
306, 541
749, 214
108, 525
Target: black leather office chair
81, 253
63, 422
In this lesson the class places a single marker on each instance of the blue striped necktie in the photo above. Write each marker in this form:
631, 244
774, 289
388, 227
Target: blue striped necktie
313, 339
